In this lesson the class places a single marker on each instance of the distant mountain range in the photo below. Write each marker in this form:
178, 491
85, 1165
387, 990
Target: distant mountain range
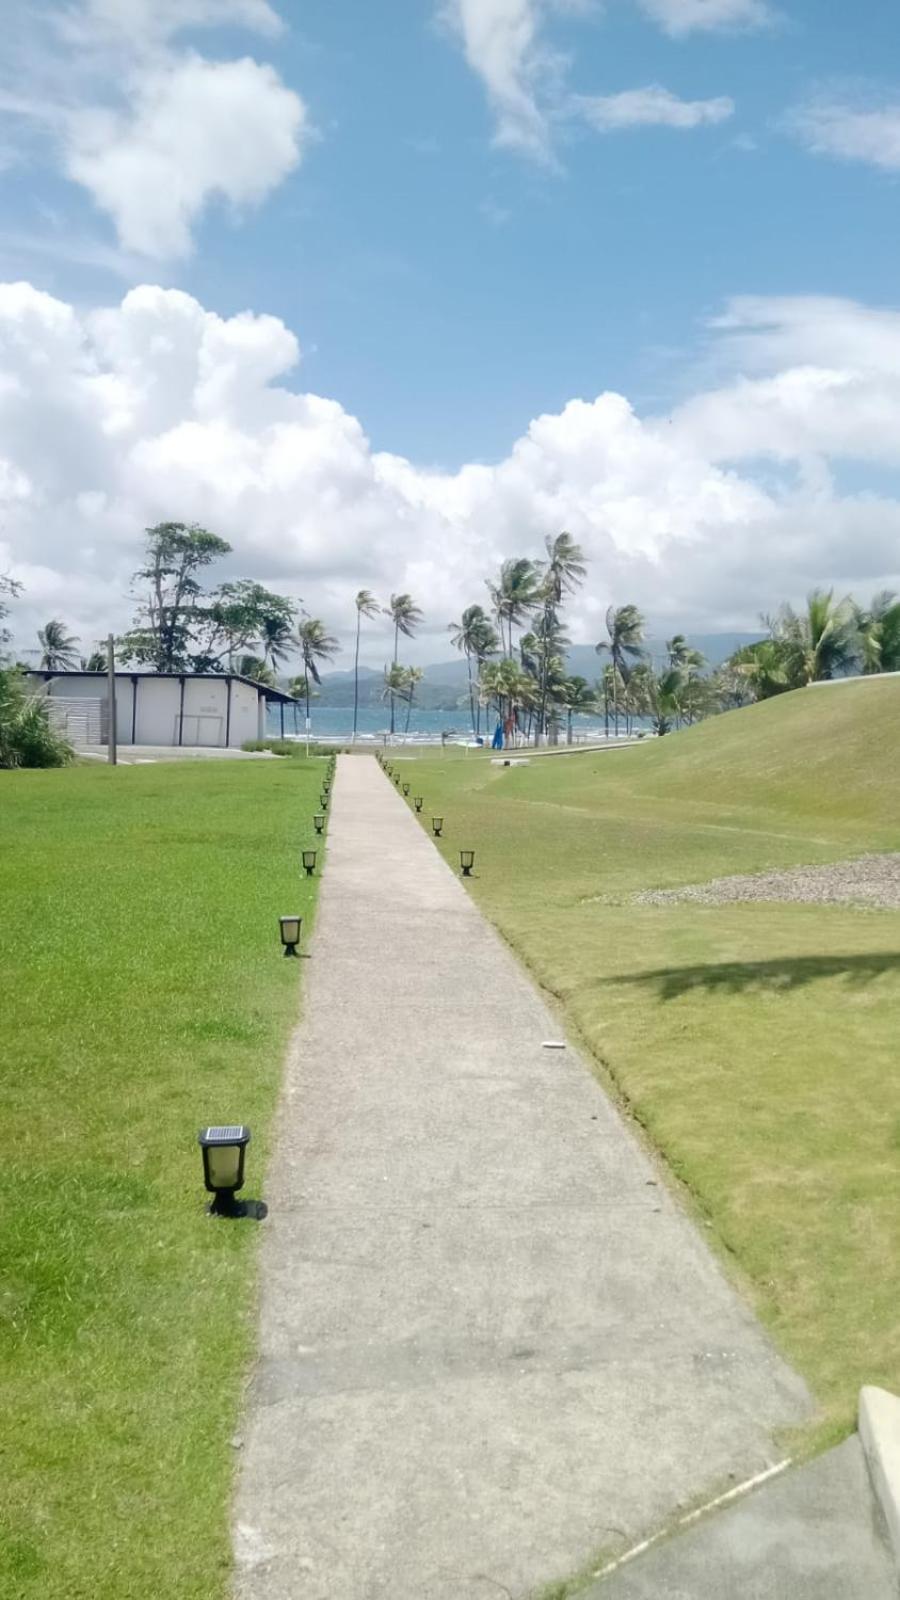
444, 686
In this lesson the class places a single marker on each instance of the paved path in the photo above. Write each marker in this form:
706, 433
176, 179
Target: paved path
812, 1534
491, 1344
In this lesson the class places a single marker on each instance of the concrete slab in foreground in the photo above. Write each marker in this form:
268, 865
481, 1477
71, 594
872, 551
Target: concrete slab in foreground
812, 1534
491, 1344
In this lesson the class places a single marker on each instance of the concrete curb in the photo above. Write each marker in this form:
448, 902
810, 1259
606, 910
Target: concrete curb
879, 1431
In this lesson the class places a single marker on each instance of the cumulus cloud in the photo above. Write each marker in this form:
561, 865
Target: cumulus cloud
153, 131
159, 409
680, 17
653, 107
198, 130
834, 127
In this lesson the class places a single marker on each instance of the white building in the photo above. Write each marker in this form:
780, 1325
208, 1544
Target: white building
189, 708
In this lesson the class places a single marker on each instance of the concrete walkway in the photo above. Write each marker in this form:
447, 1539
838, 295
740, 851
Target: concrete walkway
491, 1345
814, 1533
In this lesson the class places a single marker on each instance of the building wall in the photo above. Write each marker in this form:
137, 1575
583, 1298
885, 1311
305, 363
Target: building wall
206, 713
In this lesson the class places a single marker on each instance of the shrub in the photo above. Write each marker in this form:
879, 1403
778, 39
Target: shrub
27, 738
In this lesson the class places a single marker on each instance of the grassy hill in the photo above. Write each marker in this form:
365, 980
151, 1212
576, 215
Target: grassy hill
756, 1043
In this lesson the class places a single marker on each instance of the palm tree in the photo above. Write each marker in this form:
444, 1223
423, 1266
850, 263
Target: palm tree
414, 676
878, 627
763, 667
366, 606
625, 626
406, 617
257, 668
97, 661
59, 651
819, 643
276, 639
515, 595
315, 646
578, 696
476, 636
563, 572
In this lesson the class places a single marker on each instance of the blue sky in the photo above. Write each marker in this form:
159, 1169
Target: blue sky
432, 209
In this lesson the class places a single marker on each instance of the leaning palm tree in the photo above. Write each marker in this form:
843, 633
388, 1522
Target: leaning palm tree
316, 645
625, 626
878, 626
563, 572
276, 639
59, 649
257, 668
515, 595
366, 606
406, 617
476, 636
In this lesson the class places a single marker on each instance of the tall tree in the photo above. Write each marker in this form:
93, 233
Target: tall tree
276, 637
176, 553
514, 596
316, 646
366, 606
564, 571
625, 627
239, 617
414, 676
579, 698
256, 668
476, 636
59, 649
406, 617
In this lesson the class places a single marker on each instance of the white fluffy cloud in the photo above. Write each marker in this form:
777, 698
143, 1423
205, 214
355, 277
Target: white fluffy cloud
680, 17
832, 127
198, 130
653, 107
160, 409
153, 131
500, 39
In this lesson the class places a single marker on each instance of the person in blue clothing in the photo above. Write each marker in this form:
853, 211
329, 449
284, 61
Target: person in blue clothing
497, 741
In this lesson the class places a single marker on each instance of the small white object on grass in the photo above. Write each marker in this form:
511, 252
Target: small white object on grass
554, 1044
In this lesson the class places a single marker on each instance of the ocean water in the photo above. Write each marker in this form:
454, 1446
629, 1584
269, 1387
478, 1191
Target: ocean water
373, 723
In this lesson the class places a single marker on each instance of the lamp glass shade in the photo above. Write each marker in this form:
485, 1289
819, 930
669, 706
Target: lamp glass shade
418, 802
437, 823
319, 821
290, 930
467, 858
406, 788
223, 1156
309, 859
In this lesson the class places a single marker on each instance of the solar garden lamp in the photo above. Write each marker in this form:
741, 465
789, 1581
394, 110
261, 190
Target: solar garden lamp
224, 1149
323, 799
417, 802
467, 862
406, 789
319, 821
437, 826
290, 934
309, 862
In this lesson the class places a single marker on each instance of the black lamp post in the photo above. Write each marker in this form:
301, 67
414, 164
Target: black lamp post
467, 862
319, 821
406, 789
290, 933
224, 1149
323, 799
309, 862
437, 825
418, 802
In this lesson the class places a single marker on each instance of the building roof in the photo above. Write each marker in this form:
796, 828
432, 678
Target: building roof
213, 677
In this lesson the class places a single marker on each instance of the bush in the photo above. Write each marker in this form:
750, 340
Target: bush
27, 738
293, 747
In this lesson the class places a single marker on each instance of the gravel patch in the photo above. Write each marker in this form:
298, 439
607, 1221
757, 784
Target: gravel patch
864, 882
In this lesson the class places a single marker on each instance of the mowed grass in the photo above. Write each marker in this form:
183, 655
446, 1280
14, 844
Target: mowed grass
756, 1043
142, 994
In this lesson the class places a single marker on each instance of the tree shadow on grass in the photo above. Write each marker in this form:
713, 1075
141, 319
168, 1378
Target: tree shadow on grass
779, 975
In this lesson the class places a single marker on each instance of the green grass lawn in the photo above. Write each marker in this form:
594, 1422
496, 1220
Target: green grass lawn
757, 1044
142, 994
